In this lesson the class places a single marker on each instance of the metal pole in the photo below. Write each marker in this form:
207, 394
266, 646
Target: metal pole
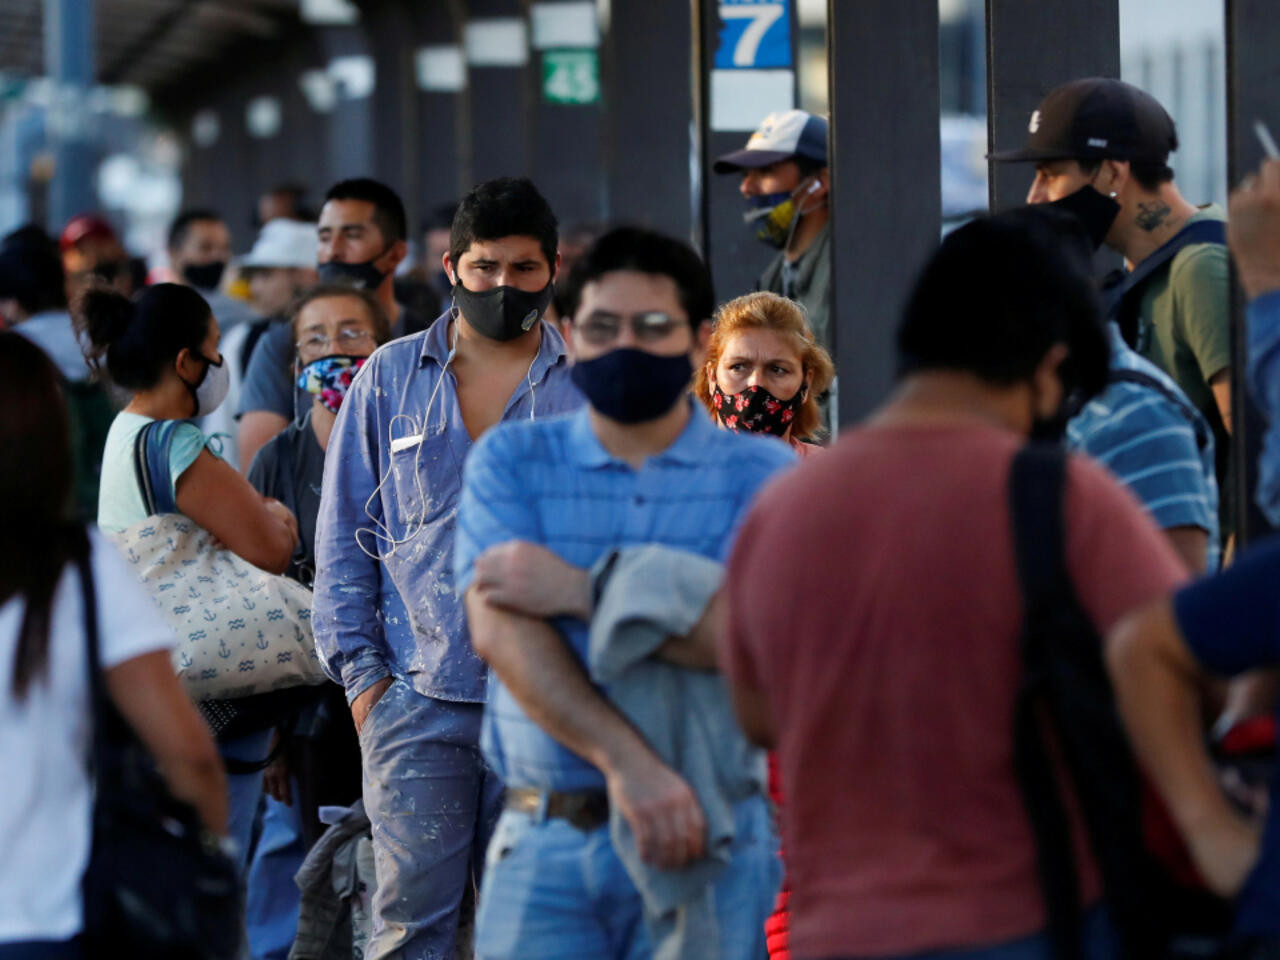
1032, 48
1253, 76
69, 62
886, 180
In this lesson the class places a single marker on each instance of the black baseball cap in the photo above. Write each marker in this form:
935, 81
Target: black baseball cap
1097, 118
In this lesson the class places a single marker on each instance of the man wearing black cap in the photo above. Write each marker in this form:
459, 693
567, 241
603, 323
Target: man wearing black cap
786, 185
1101, 149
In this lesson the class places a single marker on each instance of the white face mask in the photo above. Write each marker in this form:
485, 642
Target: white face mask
212, 388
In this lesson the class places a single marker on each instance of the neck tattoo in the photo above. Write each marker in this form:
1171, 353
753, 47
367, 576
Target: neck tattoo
1152, 215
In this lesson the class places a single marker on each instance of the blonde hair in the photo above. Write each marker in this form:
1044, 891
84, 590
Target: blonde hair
768, 311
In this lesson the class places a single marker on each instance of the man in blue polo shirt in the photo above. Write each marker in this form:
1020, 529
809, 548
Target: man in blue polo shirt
1145, 431
541, 503
389, 625
1225, 625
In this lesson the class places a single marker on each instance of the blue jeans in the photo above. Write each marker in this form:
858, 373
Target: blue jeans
42, 950
1097, 942
273, 898
432, 802
553, 891
244, 790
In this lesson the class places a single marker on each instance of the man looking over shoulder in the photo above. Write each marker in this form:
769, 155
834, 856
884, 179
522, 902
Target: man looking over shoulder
389, 626
1101, 148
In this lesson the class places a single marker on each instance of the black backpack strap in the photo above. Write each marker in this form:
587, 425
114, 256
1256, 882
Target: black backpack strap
1036, 487
1122, 298
1067, 723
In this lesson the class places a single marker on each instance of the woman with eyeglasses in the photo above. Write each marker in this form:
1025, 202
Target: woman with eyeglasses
335, 329
765, 371
163, 347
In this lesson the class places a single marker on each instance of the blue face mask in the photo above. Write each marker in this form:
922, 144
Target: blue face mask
632, 386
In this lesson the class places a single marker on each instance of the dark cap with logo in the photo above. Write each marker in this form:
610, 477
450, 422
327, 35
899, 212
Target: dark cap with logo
1097, 118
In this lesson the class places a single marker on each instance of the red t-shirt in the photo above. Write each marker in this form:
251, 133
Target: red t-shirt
873, 601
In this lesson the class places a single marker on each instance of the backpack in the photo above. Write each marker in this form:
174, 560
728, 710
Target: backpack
1066, 721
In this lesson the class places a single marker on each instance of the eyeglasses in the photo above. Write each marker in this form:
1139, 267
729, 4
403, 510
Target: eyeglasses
601, 328
320, 343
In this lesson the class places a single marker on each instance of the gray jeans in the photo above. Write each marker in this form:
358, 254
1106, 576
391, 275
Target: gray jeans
433, 804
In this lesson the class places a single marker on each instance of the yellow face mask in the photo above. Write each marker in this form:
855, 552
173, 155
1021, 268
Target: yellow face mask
774, 215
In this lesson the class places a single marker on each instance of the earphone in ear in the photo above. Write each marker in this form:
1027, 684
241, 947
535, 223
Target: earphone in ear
814, 187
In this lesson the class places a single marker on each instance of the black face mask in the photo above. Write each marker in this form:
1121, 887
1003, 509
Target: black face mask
502, 313
205, 276
362, 276
1096, 211
632, 386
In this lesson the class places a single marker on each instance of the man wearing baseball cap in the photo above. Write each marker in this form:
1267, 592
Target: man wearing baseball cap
281, 265
786, 185
1101, 149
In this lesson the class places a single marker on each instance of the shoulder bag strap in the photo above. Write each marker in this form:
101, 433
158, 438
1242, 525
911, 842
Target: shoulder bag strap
100, 710
151, 465
1036, 487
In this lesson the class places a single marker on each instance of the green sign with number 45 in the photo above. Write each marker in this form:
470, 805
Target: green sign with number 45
571, 76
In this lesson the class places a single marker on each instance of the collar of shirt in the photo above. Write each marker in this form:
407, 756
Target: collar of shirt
690, 446
435, 346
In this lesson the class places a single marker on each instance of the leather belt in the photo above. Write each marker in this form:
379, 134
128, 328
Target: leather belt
585, 809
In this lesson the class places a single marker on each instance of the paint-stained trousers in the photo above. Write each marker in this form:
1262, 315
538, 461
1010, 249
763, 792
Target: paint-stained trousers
433, 804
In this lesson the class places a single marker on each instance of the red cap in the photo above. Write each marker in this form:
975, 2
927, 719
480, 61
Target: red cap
86, 225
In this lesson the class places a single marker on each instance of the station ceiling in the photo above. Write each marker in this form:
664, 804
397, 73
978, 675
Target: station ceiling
151, 43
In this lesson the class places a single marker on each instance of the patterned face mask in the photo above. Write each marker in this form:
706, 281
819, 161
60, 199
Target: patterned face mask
329, 378
756, 410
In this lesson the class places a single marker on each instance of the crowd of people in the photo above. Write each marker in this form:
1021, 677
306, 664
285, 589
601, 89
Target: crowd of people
606, 651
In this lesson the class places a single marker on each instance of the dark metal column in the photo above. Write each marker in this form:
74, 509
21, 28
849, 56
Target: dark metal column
350, 124
441, 81
567, 161
886, 180
499, 99
69, 62
1253, 77
648, 67
390, 29
736, 257
1032, 48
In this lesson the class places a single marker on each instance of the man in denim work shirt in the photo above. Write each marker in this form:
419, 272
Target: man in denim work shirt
388, 624
541, 504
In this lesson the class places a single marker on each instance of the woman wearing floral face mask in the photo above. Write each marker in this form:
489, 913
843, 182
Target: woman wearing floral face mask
335, 328
764, 374
765, 371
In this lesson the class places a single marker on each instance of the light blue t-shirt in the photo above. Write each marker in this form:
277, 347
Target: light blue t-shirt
120, 503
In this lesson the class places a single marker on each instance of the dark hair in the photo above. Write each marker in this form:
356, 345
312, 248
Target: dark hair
646, 251
440, 217
381, 324
388, 210
181, 225
999, 293
1149, 174
808, 166
505, 207
137, 339
31, 270
36, 536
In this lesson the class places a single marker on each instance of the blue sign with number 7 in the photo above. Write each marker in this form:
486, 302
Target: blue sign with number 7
754, 35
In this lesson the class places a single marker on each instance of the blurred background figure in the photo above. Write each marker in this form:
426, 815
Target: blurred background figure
199, 251
92, 251
46, 715
33, 301
282, 202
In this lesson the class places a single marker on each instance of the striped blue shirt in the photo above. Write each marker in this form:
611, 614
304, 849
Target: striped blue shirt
1157, 444
552, 483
